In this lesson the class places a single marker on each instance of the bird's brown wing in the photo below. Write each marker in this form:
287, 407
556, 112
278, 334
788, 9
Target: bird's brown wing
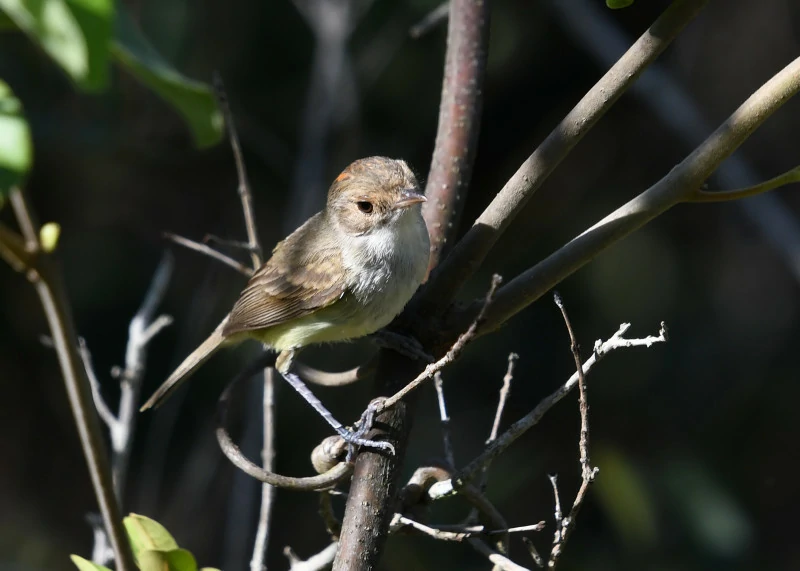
302, 276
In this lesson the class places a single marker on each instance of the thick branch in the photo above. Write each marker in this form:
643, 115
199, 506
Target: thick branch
472, 249
677, 186
459, 120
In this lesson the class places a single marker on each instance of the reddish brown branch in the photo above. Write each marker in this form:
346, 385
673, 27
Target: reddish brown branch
459, 120
473, 248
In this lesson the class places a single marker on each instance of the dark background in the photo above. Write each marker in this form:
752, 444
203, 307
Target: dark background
696, 440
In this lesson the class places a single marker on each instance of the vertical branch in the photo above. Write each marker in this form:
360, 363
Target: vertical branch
473, 248
459, 120
258, 562
373, 489
47, 281
254, 245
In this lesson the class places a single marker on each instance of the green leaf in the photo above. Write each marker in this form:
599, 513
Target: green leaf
86, 565
75, 33
617, 4
175, 560
192, 99
146, 534
16, 151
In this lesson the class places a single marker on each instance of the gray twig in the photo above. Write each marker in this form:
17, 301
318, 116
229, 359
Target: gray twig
601, 348
209, 251
454, 351
318, 562
445, 421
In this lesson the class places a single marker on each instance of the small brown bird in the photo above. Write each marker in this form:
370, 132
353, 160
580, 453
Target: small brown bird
345, 273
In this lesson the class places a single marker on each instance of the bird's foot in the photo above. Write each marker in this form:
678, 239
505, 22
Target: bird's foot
355, 438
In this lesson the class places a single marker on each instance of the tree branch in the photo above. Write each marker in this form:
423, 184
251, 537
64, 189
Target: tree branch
47, 281
702, 195
677, 186
459, 120
472, 249
617, 341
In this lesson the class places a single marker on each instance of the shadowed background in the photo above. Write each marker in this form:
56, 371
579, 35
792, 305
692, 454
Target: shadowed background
695, 439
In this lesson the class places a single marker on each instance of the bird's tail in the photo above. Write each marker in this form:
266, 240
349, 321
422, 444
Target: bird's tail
187, 368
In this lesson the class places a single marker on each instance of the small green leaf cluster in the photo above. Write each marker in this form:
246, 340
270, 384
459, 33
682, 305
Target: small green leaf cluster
83, 37
154, 549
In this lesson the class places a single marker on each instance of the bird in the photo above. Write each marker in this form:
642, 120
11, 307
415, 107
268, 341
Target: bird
347, 272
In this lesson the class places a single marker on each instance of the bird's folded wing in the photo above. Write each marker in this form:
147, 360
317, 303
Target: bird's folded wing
301, 277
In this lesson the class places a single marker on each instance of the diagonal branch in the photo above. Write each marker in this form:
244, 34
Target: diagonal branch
473, 248
677, 186
46, 279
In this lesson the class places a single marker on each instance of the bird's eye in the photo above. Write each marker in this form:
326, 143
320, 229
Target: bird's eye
364, 206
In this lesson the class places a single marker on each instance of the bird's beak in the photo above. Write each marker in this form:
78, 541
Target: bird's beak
409, 197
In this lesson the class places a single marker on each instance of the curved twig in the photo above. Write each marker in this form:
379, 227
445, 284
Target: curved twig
234, 454
326, 379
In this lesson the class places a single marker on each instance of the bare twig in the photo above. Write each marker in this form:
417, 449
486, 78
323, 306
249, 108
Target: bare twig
505, 392
431, 20
789, 177
229, 448
586, 469
537, 559
460, 533
258, 561
318, 562
268, 408
459, 120
47, 281
246, 197
617, 341
472, 249
497, 559
454, 351
565, 526
327, 379
209, 251
444, 420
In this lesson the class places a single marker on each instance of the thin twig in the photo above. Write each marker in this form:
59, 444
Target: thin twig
472, 249
537, 559
431, 20
444, 420
505, 392
234, 454
256, 258
318, 562
601, 348
454, 351
48, 283
583, 446
209, 251
245, 195
702, 195
258, 561
327, 379
498, 560
565, 526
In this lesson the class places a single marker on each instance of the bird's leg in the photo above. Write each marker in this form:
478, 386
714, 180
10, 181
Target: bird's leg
403, 344
353, 438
